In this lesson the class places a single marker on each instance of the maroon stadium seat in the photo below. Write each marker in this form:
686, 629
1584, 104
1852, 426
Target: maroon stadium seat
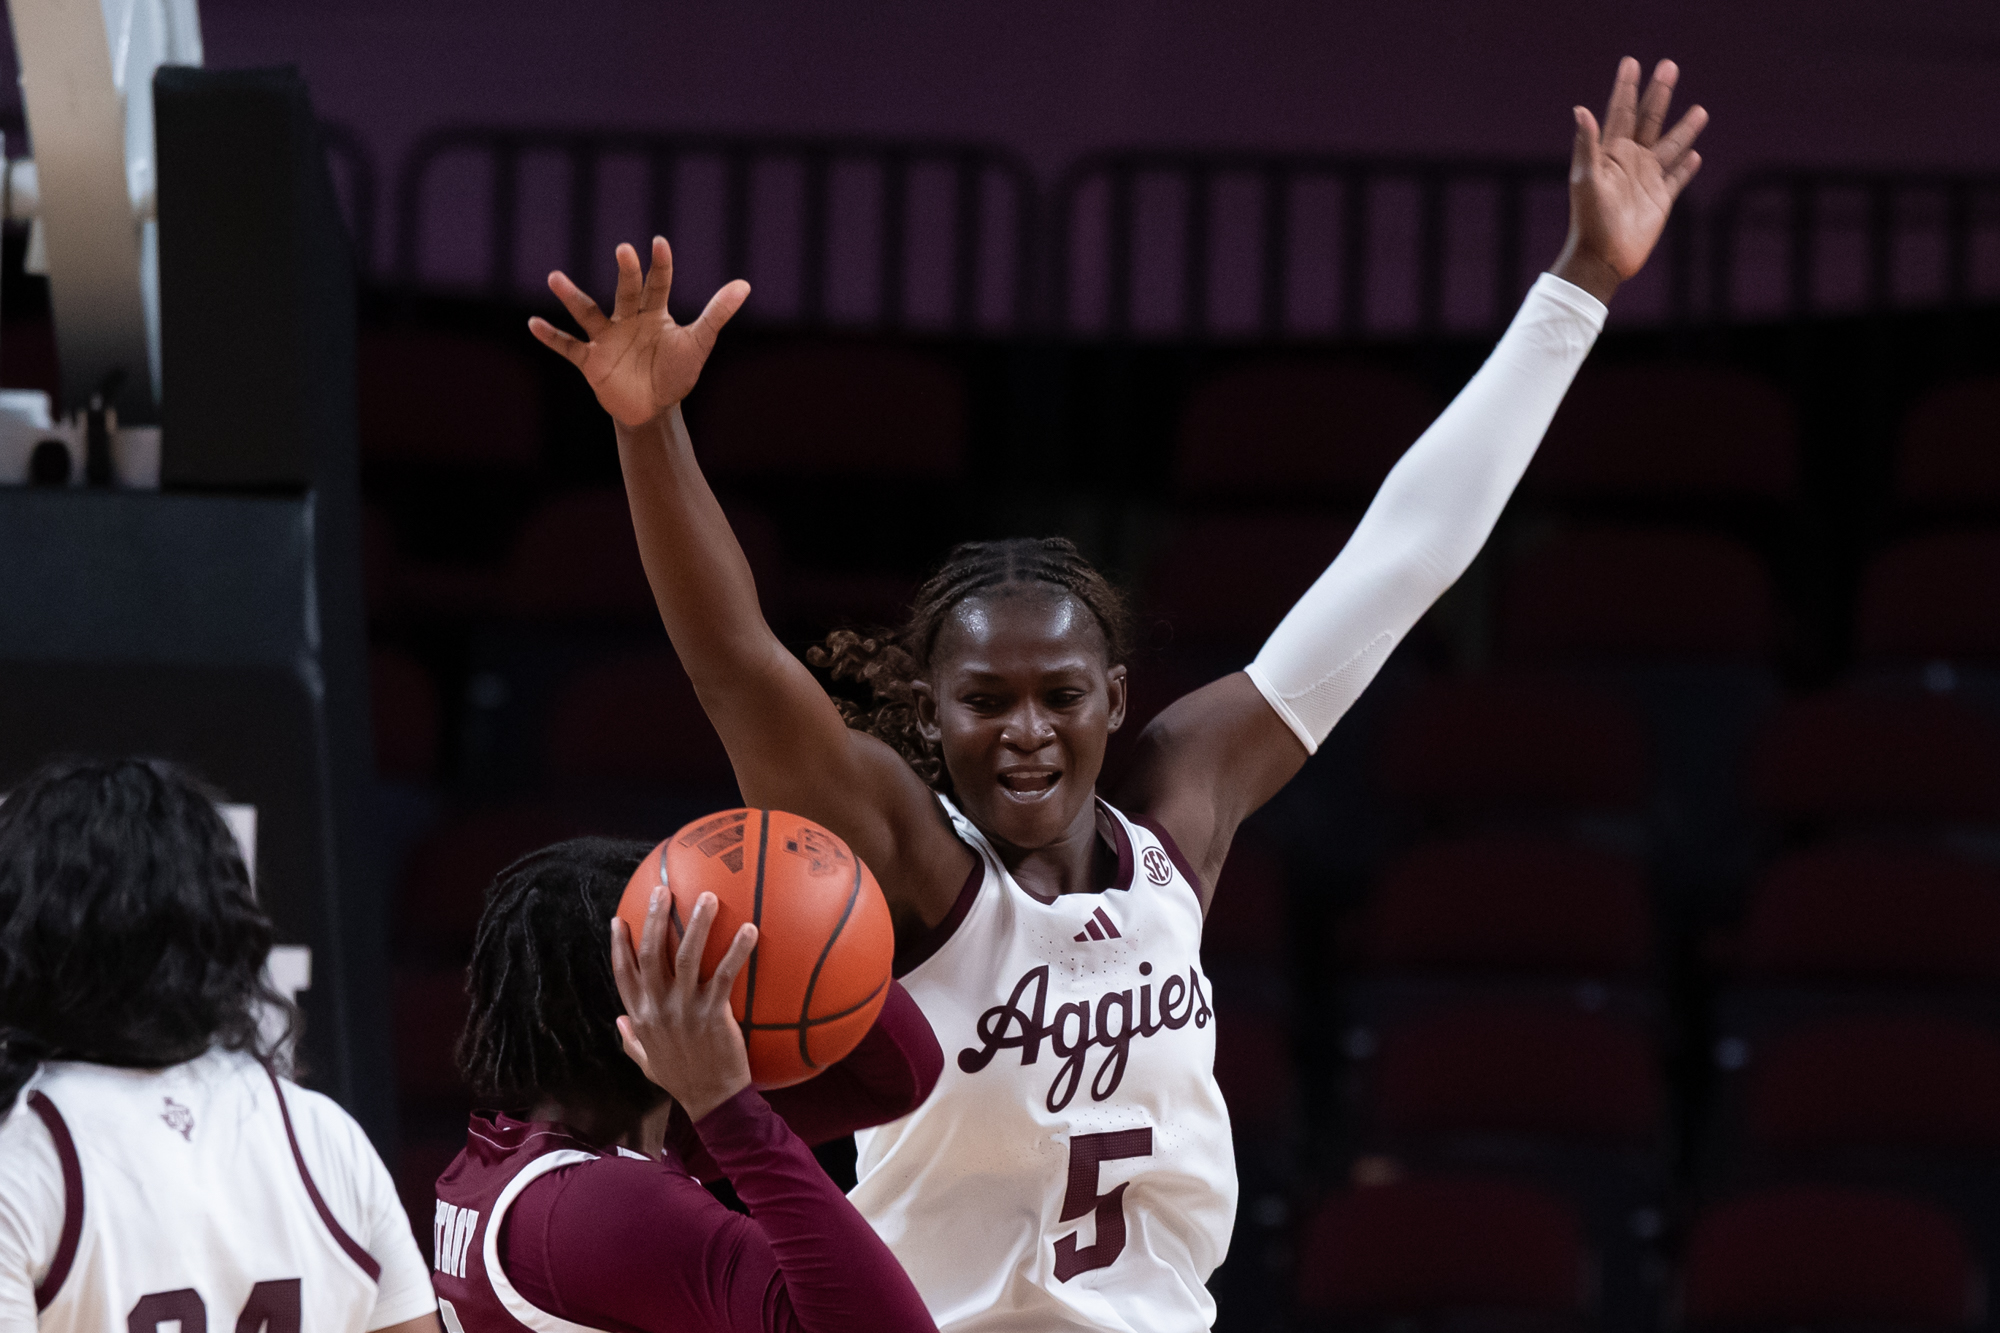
1618, 592
1949, 454
427, 1011
1515, 1068
1444, 1246
1933, 597
1874, 1083
1297, 429
1515, 741
1845, 754
1677, 432
1255, 1069
1817, 1256
405, 706
1512, 903
445, 881
577, 557
1863, 913
1230, 578
847, 410
444, 399
1247, 918
634, 718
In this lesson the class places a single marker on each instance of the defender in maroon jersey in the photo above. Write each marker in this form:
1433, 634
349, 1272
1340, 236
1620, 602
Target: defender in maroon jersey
589, 1211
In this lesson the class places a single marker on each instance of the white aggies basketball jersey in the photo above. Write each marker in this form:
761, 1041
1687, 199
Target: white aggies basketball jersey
1074, 1168
209, 1195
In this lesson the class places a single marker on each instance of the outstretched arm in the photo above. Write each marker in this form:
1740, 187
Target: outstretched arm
1224, 750
787, 742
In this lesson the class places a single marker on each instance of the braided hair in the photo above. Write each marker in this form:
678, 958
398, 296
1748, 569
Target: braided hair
544, 1003
886, 663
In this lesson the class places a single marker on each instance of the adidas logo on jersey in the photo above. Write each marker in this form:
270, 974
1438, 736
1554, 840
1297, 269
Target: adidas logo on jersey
1099, 927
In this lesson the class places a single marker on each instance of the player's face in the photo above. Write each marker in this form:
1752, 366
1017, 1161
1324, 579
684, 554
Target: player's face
1022, 703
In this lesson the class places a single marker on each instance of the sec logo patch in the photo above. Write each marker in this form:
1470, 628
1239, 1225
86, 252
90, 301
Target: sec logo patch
1158, 868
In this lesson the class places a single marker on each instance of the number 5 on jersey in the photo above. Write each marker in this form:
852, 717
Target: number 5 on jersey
1086, 1153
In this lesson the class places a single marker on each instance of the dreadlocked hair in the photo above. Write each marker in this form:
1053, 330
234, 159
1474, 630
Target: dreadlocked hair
886, 663
544, 1004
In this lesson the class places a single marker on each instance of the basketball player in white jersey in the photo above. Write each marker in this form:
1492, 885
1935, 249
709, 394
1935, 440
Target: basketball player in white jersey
157, 1173
1073, 1168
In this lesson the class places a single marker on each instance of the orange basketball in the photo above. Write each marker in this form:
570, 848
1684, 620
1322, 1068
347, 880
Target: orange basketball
820, 971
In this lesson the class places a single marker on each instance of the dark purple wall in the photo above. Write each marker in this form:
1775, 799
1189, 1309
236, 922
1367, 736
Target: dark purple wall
1842, 81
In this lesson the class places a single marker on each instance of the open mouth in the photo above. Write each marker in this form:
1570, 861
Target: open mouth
1029, 783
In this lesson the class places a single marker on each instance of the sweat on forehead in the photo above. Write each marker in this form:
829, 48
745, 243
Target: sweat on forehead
1019, 610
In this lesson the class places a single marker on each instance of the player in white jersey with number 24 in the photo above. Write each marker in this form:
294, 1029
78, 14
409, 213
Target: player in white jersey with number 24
1073, 1168
156, 1172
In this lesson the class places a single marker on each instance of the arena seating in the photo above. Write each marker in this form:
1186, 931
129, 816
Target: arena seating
434, 399
634, 719
1515, 742
1856, 912
1708, 434
445, 881
1223, 581
833, 411
432, 1005
1249, 923
406, 717
1511, 904
1945, 458
1624, 593
1492, 1253
1850, 755
1876, 1084
1517, 1070
1294, 431
1931, 598
1814, 1257
576, 557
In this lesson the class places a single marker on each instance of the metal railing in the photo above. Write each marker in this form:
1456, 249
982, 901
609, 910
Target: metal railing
1818, 242
1135, 243
1182, 221
974, 172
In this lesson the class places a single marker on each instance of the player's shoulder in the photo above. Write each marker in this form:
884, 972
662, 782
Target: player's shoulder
326, 1134
33, 1197
25, 1140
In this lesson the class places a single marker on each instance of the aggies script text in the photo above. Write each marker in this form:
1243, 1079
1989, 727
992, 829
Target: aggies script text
1073, 1032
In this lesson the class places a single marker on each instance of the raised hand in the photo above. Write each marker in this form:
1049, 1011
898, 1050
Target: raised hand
676, 1027
1623, 180
639, 362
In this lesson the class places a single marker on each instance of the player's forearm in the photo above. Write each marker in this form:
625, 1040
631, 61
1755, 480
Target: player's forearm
885, 1077
838, 1274
700, 579
1429, 520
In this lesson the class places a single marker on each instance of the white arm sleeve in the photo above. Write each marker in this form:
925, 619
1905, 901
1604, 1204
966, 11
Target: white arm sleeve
1435, 510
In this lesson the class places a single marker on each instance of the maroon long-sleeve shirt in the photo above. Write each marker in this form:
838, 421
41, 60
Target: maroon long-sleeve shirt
615, 1241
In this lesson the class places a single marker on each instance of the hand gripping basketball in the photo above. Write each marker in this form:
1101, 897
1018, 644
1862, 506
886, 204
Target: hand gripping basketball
820, 971
678, 1028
